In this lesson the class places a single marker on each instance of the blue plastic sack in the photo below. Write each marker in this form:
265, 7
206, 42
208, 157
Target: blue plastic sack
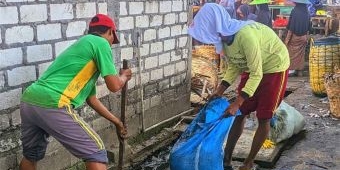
201, 146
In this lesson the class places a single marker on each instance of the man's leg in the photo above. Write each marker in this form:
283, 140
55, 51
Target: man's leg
25, 164
234, 134
260, 136
95, 166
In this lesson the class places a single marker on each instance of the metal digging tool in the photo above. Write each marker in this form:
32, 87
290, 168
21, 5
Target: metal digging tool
122, 117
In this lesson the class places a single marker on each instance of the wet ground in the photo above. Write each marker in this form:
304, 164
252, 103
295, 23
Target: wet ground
318, 150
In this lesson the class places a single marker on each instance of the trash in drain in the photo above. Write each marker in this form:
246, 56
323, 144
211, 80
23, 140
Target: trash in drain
158, 161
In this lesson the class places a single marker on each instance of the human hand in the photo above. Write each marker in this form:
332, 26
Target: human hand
121, 131
234, 107
126, 72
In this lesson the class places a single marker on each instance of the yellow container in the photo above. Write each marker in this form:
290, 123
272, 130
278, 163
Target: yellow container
323, 57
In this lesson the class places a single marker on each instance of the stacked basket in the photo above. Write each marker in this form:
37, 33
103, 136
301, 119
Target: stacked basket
332, 84
323, 57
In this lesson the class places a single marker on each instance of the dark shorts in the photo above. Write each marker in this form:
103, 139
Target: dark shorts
65, 126
267, 96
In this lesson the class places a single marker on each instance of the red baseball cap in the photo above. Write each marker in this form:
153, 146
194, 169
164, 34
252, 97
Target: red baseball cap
104, 20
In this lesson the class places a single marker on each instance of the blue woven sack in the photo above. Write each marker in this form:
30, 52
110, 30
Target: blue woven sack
201, 146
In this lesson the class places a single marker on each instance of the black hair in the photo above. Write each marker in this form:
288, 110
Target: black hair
100, 29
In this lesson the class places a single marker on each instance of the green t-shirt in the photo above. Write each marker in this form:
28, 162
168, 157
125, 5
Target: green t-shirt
257, 50
72, 77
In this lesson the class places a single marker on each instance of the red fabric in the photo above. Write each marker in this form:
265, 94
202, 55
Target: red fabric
267, 96
104, 20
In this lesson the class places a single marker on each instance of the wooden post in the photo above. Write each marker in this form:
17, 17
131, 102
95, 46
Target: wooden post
122, 117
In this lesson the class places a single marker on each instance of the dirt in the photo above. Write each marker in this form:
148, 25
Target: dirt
319, 149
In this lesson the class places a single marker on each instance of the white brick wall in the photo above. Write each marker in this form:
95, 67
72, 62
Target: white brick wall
164, 58
2, 80
126, 23
15, 116
19, 34
126, 53
33, 13
61, 46
170, 19
21, 75
76, 28
183, 17
145, 77
61, 11
185, 53
177, 5
4, 123
39, 53
155, 100
151, 7
86, 10
10, 98
43, 67
150, 35
9, 15
157, 74
164, 32
184, 30
122, 40
10, 57
144, 50
132, 82
48, 32
165, 6
122, 8
176, 30
102, 8
142, 21
156, 20
169, 44
102, 91
136, 8
182, 41
151, 62
20, 0
169, 70
180, 66
175, 80
156, 47
175, 56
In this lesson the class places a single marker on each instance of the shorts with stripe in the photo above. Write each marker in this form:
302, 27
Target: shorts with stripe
65, 126
267, 96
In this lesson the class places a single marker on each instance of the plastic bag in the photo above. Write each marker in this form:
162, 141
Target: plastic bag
286, 122
201, 146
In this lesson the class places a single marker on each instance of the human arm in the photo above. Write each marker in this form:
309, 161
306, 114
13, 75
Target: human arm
116, 82
98, 106
288, 37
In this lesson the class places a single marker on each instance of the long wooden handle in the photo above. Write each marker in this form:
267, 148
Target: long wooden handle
122, 117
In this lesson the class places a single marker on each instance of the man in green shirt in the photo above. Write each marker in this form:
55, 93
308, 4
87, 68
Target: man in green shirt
47, 105
256, 53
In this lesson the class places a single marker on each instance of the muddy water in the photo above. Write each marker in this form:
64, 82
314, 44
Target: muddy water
158, 161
